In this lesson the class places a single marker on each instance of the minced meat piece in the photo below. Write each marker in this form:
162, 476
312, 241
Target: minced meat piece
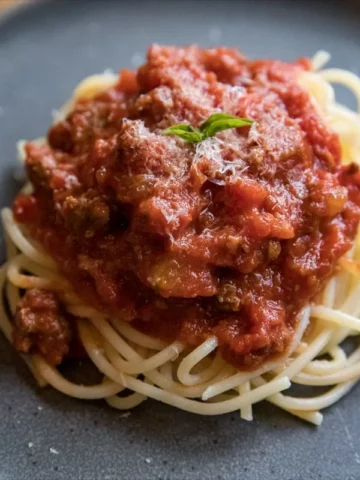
41, 326
85, 214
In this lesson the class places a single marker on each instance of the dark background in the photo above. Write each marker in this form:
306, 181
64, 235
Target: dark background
44, 51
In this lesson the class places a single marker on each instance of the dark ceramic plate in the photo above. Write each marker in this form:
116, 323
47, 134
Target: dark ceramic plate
45, 50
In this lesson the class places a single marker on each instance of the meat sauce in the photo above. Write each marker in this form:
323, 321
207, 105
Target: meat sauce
229, 237
42, 326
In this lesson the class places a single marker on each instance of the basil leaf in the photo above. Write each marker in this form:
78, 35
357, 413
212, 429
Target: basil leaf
214, 118
224, 124
186, 127
186, 132
217, 122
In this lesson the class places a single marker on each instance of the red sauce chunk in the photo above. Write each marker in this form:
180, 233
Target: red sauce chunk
41, 326
230, 237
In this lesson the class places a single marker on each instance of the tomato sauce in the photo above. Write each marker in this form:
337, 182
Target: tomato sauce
230, 237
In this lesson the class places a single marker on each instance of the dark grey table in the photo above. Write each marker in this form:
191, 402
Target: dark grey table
44, 51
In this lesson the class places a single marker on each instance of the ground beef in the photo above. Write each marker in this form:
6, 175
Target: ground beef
41, 326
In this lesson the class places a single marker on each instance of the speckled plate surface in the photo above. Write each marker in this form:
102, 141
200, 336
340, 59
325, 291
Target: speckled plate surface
45, 50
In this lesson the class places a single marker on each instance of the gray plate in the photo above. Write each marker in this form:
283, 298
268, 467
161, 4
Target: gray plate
44, 51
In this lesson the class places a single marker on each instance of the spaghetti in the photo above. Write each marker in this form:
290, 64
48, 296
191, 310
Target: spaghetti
199, 380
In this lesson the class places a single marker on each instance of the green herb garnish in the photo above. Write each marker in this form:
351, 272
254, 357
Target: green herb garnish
217, 122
